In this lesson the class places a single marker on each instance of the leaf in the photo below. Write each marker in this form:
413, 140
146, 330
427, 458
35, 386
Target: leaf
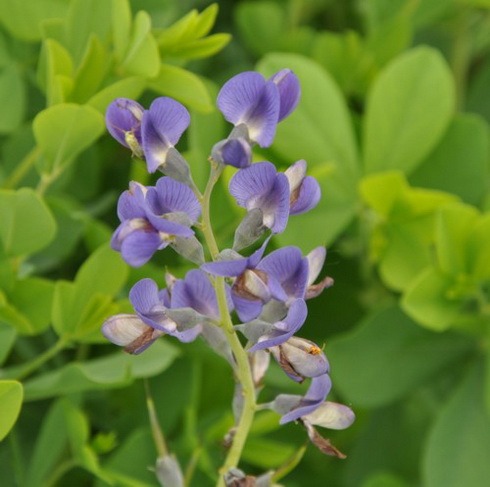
182, 85
7, 339
397, 356
12, 99
408, 109
200, 48
458, 445
26, 224
142, 58
261, 25
64, 131
462, 157
129, 87
266, 453
24, 23
112, 371
11, 394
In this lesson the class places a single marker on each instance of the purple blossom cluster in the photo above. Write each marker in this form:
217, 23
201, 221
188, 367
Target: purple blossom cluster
267, 293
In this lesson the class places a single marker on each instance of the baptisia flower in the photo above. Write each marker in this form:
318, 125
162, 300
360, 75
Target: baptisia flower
252, 288
151, 320
152, 218
151, 133
233, 151
304, 191
249, 100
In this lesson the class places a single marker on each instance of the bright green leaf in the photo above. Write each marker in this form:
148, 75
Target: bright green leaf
459, 162
121, 27
182, 85
12, 99
8, 335
200, 48
11, 394
130, 87
408, 109
389, 337
64, 131
112, 371
458, 445
26, 224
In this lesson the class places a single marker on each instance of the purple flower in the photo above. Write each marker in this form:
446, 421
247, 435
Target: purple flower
234, 152
260, 186
151, 306
123, 119
252, 288
262, 334
300, 358
294, 407
151, 217
304, 190
161, 128
249, 99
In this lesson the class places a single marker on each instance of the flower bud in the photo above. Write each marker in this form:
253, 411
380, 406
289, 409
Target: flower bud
300, 358
252, 285
234, 152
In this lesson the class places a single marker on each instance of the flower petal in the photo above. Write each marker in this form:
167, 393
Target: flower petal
196, 292
252, 182
138, 247
124, 115
331, 415
275, 206
289, 267
246, 309
307, 196
316, 259
144, 296
289, 91
234, 152
226, 268
162, 126
318, 390
172, 196
131, 203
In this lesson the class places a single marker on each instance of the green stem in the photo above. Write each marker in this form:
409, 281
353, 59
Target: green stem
156, 430
57, 475
33, 365
22, 168
243, 371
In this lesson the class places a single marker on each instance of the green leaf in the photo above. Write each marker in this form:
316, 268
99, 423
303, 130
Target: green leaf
408, 109
92, 70
7, 339
12, 99
182, 85
11, 394
14, 318
389, 337
64, 131
384, 479
26, 224
462, 157
429, 301
142, 58
112, 371
266, 453
200, 48
85, 19
121, 27
34, 296
458, 445
130, 87
261, 25
55, 65
25, 23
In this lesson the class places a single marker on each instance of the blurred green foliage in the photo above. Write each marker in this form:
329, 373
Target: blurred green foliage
393, 123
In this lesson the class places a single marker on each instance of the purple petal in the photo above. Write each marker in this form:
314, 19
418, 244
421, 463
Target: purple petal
228, 268
161, 224
316, 259
131, 203
255, 258
173, 196
295, 174
246, 309
275, 206
138, 247
316, 394
124, 115
144, 296
285, 329
289, 91
306, 197
331, 415
247, 98
252, 182
289, 267
234, 152
189, 335
161, 128
196, 292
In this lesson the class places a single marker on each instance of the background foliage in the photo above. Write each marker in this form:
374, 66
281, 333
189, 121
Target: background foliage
393, 122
